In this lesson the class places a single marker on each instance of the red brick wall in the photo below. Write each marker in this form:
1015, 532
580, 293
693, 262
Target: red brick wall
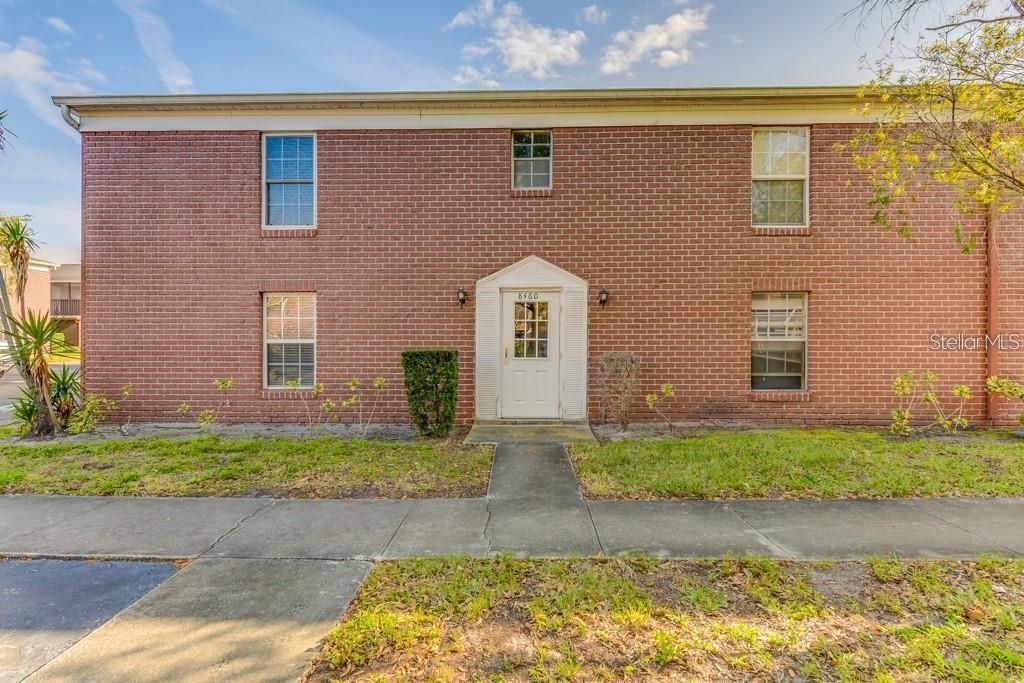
175, 262
37, 292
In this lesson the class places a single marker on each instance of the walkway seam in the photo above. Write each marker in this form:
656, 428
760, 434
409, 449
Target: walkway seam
384, 550
238, 525
597, 535
590, 513
913, 505
760, 533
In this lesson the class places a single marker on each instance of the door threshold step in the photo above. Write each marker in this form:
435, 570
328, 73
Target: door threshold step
550, 432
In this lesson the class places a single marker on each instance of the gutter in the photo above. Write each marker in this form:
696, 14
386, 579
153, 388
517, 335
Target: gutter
992, 327
66, 114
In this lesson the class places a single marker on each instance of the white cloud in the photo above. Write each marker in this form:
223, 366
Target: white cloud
665, 44
524, 47
26, 72
155, 38
735, 39
592, 14
88, 71
470, 76
472, 15
60, 25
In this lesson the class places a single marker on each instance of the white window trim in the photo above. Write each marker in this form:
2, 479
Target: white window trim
263, 179
806, 177
263, 306
512, 162
806, 340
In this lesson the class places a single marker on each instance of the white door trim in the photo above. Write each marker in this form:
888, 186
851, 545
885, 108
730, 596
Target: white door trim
535, 273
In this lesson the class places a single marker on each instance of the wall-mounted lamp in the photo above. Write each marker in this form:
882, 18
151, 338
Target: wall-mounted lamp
461, 294
602, 297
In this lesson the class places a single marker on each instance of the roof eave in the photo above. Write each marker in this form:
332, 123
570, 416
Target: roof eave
467, 99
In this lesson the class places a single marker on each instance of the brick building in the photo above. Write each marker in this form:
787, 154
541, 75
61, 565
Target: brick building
720, 234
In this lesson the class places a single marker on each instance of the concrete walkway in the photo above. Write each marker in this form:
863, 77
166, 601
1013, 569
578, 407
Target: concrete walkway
529, 511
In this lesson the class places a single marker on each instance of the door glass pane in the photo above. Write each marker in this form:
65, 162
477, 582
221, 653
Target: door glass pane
530, 329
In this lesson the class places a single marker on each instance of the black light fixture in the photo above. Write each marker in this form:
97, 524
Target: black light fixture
602, 297
462, 296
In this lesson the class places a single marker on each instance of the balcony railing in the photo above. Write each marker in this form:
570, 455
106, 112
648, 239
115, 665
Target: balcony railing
61, 307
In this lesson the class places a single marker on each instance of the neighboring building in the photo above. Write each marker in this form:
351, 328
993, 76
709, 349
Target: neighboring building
37, 287
721, 234
55, 289
66, 299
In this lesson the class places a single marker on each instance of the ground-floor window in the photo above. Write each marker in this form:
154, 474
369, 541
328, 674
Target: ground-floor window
289, 339
778, 346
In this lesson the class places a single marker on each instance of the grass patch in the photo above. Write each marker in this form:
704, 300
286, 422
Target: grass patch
802, 463
217, 466
737, 619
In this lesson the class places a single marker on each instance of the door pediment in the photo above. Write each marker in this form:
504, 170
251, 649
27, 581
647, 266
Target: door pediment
531, 271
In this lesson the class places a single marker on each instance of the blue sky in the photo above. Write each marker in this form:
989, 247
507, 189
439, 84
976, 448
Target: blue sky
154, 46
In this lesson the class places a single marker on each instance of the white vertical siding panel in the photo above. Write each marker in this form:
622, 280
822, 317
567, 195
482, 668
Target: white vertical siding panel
574, 392
487, 354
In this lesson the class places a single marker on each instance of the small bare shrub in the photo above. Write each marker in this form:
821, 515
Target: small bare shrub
618, 376
912, 390
667, 391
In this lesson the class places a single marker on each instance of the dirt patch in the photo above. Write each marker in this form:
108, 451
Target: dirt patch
839, 582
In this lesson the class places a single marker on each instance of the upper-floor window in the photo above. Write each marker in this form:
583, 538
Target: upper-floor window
778, 340
289, 340
289, 176
780, 169
531, 159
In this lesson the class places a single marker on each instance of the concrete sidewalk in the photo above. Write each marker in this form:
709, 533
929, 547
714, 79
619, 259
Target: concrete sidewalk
63, 526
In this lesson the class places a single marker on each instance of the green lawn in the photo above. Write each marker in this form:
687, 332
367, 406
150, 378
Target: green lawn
716, 620
217, 466
803, 463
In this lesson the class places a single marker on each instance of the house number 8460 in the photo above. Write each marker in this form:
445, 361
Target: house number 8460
528, 296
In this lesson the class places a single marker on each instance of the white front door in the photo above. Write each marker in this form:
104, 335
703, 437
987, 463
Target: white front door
529, 353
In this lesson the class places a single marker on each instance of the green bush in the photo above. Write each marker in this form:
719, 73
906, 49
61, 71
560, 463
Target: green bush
432, 385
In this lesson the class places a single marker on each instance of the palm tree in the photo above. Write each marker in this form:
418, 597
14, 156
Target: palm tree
36, 336
17, 241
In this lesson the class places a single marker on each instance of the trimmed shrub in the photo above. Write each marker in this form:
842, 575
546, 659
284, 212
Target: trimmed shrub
432, 387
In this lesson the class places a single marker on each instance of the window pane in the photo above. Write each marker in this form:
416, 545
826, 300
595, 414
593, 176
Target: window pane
779, 382
778, 202
290, 203
779, 152
541, 151
522, 137
274, 147
542, 137
521, 151
274, 354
